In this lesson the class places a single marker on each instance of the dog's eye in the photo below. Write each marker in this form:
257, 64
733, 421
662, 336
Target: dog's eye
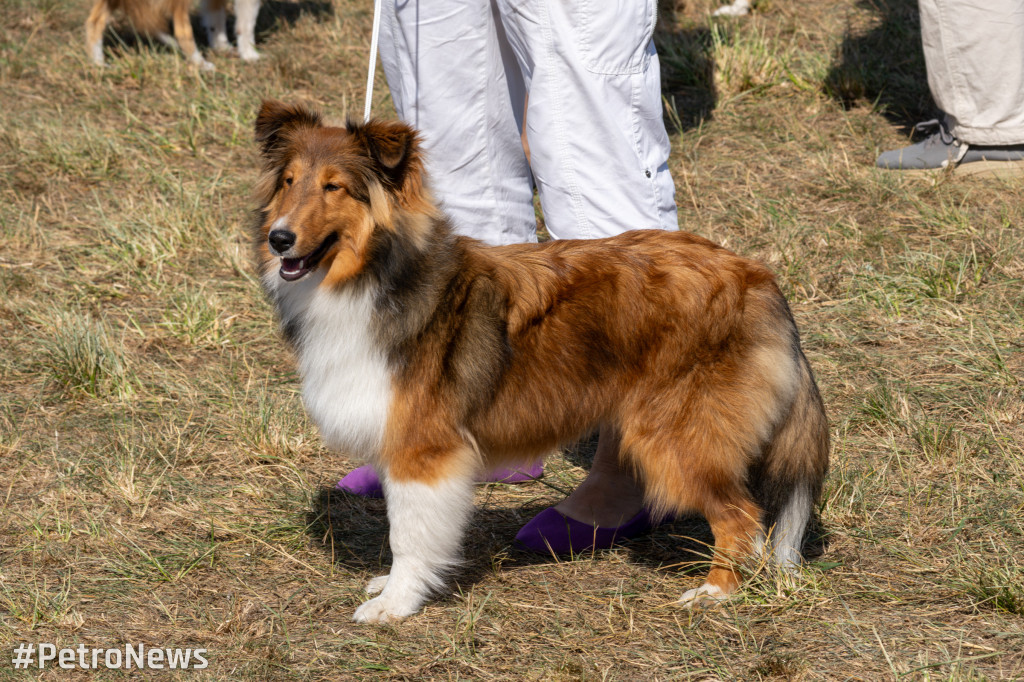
331, 187
288, 182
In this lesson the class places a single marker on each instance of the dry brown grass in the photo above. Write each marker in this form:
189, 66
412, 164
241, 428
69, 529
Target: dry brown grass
162, 484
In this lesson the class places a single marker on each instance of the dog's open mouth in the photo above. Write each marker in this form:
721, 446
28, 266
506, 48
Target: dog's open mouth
296, 268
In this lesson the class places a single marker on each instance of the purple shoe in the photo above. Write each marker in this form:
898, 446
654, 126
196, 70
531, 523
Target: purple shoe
362, 481
552, 532
365, 482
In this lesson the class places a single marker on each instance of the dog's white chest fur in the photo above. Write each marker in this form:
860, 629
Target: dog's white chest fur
346, 383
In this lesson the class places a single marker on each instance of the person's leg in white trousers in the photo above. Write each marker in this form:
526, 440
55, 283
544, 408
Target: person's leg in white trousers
446, 63
459, 70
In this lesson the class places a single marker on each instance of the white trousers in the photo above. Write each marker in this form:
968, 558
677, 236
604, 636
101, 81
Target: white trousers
459, 71
974, 53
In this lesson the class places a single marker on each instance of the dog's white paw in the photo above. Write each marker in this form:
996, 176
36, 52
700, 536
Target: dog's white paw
204, 65
247, 53
737, 9
382, 610
377, 584
220, 42
703, 596
96, 54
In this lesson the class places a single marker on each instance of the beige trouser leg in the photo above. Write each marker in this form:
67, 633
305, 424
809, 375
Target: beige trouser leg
974, 52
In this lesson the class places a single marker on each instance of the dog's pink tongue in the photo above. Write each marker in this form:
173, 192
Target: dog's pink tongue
292, 268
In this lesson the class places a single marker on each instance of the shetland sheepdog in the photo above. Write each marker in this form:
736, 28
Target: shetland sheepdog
150, 17
436, 357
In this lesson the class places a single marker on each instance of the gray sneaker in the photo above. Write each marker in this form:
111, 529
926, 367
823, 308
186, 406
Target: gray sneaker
941, 149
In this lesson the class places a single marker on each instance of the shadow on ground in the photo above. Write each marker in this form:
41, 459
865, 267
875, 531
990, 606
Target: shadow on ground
687, 78
353, 530
274, 13
885, 65
687, 70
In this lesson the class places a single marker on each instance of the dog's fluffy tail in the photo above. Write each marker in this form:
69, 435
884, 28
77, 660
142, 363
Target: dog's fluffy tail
789, 479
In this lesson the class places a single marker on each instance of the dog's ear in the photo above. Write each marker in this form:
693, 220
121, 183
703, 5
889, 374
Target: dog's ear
391, 145
276, 119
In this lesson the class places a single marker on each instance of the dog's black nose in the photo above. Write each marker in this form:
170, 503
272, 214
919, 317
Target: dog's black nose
281, 240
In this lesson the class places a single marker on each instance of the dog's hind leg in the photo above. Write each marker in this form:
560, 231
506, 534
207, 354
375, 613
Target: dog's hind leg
428, 520
692, 458
183, 33
246, 12
95, 25
735, 523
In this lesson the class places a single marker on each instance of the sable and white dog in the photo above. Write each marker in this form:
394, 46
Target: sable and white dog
150, 17
436, 357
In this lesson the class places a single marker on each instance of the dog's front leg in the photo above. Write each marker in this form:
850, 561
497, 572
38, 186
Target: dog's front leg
427, 523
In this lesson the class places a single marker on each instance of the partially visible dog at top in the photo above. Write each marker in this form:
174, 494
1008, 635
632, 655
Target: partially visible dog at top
436, 357
150, 17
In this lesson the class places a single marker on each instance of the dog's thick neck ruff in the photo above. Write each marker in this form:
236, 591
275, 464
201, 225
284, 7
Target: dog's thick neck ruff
355, 339
346, 381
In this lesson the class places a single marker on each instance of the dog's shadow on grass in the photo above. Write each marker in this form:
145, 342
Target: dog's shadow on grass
353, 530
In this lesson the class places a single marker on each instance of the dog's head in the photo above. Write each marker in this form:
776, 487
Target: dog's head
327, 190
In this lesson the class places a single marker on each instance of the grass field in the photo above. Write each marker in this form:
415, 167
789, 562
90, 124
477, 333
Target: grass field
162, 485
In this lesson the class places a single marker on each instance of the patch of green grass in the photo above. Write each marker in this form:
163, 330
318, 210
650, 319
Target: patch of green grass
31, 605
81, 355
196, 318
993, 578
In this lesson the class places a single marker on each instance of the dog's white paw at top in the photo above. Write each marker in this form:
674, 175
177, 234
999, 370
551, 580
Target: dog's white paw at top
377, 584
248, 54
737, 9
220, 43
703, 596
382, 610
198, 60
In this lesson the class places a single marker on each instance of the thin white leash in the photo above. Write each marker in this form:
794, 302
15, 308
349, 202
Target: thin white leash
373, 60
